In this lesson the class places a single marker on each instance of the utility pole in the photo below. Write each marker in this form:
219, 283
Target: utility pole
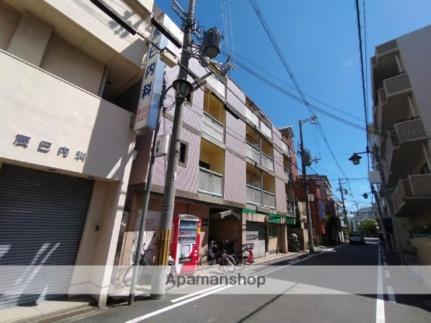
342, 201
166, 217
379, 210
145, 203
304, 181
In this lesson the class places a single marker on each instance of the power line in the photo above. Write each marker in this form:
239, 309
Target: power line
276, 78
361, 57
295, 97
274, 43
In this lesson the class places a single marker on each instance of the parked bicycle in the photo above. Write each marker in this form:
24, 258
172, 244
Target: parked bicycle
145, 273
247, 253
293, 243
218, 255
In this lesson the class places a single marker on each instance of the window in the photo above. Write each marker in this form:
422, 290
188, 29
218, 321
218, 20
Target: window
183, 154
203, 164
189, 97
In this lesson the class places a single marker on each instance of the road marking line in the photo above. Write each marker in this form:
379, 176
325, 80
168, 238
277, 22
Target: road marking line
387, 274
194, 293
186, 298
391, 295
170, 307
380, 303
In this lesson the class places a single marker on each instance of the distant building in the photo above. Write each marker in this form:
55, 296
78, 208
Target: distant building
321, 199
365, 213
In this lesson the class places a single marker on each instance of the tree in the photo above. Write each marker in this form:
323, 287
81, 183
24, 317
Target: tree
368, 227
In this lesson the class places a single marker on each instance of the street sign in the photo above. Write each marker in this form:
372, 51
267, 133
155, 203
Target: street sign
149, 100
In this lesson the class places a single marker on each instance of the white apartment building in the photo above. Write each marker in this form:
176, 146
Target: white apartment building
401, 76
70, 78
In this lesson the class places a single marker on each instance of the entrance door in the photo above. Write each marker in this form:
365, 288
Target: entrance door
256, 234
42, 215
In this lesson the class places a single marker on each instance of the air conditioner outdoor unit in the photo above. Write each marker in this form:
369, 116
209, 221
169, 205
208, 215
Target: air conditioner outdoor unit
162, 145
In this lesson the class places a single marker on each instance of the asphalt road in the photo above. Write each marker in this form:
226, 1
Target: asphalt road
321, 308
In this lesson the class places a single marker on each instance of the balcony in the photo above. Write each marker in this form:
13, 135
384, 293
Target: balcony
395, 85
268, 199
405, 140
258, 196
386, 62
254, 195
259, 124
259, 157
387, 47
210, 182
213, 127
267, 162
38, 104
410, 130
412, 194
253, 153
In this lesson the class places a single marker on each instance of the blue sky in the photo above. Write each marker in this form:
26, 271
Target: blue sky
319, 41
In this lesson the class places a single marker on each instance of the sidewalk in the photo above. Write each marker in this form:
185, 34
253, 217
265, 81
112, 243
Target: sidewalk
47, 311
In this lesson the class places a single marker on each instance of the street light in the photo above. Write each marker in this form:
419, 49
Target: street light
355, 159
182, 88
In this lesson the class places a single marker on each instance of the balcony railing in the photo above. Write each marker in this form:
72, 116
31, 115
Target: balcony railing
253, 152
213, 127
387, 47
210, 182
396, 85
410, 130
414, 186
260, 157
254, 195
399, 193
290, 208
268, 199
267, 162
258, 196
404, 132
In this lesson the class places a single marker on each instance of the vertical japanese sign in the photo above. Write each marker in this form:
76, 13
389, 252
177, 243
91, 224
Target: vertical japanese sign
146, 114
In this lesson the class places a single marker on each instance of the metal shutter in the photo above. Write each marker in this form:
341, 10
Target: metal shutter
42, 216
256, 234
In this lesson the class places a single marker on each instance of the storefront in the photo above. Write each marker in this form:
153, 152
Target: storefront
266, 231
42, 216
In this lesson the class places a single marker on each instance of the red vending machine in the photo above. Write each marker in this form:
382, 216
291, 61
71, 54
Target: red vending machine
185, 243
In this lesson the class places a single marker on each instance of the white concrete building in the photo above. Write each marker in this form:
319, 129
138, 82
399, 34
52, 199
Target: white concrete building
69, 82
401, 74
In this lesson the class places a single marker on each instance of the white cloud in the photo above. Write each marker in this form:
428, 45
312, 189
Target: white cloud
348, 63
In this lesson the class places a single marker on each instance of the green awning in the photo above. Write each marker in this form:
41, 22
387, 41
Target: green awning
249, 211
291, 221
274, 218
